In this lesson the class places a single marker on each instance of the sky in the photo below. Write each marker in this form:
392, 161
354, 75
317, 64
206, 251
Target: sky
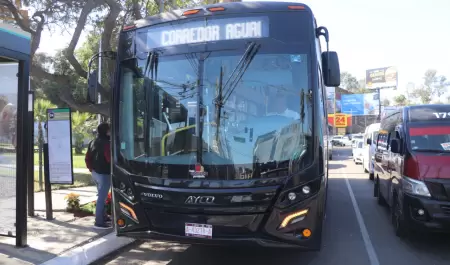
408, 34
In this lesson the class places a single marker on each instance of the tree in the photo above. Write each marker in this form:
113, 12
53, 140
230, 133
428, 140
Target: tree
103, 17
82, 125
349, 82
400, 100
433, 85
441, 86
386, 102
40, 116
423, 93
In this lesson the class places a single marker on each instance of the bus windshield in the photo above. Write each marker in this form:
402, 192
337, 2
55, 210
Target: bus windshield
243, 106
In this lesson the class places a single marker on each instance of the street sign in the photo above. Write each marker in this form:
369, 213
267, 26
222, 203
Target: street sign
59, 137
340, 120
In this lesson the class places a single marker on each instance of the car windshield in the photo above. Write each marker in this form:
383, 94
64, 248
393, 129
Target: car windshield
430, 138
360, 144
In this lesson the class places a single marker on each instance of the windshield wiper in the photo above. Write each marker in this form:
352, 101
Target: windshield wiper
239, 70
152, 66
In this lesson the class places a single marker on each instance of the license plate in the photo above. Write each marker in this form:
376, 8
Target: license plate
198, 230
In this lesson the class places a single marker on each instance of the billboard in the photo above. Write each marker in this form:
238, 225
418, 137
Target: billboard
331, 92
360, 104
386, 110
384, 77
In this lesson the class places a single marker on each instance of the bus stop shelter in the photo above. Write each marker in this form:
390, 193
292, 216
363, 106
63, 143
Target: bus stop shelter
16, 131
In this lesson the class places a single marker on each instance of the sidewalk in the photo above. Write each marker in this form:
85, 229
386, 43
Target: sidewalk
60, 241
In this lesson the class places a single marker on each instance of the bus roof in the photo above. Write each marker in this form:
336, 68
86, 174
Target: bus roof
230, 8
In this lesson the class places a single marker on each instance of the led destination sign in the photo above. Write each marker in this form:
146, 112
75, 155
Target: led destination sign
210, 30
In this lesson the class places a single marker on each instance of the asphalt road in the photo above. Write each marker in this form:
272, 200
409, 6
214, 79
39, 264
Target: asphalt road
357, 232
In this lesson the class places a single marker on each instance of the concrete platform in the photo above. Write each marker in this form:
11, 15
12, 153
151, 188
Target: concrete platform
63, 240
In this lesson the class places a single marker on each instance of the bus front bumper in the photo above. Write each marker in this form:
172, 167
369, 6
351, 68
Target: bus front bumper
302, 232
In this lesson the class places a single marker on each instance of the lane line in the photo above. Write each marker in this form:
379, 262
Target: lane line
362, 227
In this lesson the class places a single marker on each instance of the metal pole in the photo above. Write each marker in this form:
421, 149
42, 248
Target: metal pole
99, 116
334, 108
48, 186
161, 6
22, 142
30, 169
379, 104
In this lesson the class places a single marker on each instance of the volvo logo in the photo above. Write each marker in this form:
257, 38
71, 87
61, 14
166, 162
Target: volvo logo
199, 200
152, 195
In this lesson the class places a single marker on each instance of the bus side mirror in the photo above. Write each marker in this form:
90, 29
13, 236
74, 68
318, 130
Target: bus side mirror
331, 70
369, 141
92, 94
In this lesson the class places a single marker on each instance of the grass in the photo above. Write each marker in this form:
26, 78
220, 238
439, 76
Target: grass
78, 160
80, 180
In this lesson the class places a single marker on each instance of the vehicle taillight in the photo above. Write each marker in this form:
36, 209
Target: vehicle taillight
410, 168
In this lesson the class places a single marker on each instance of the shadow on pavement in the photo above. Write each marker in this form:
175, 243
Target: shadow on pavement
335, 166
238, 256
29, 254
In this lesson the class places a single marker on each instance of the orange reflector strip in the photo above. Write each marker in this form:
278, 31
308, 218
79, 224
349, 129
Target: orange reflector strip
128, 208
215, 9
297, 7
289, 218
191, 12
306, 233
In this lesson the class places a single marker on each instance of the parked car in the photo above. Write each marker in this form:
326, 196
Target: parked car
358, 151
339, 140
370, 136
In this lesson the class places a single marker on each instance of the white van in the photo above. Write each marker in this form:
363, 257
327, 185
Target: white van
370, 137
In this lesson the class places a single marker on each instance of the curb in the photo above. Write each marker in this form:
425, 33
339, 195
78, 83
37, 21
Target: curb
92, 251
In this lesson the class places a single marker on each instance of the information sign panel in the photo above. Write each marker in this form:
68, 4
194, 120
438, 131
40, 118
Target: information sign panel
59, 135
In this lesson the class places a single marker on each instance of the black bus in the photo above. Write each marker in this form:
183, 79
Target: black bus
218, 126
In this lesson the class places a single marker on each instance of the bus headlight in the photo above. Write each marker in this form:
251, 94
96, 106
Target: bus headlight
415, 187
122, 187
130, 193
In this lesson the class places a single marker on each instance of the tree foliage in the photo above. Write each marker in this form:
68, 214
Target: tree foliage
61, 77
433, 85
400, 100
352, 84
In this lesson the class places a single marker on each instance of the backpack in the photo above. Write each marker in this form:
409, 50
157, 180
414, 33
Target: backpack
88, 159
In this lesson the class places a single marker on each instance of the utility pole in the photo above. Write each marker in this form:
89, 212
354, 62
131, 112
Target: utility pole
161, 6
99, 116
334, 108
